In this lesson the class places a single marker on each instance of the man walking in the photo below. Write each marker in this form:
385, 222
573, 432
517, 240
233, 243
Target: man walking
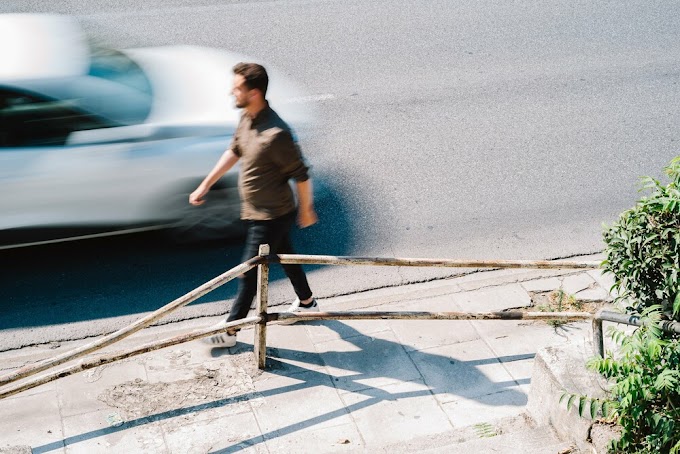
269, 157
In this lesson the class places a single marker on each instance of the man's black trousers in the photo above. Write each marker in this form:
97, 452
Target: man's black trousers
275, 233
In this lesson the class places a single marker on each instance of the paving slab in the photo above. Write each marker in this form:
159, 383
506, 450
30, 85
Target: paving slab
301, 402
304, 413
486, 409
424, 334
364, 362
324, 330
604, 279
495, 299
508, 338
292, 348
536, 441
32, 420
468, 369
79, 393
396, 413
98, 432
596, 293
520, 368
228, 433
334, 439
576, 283
542, 285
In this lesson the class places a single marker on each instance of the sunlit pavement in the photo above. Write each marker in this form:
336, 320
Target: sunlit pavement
329, 386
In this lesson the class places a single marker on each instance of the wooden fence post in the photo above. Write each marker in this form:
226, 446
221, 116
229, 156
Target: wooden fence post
262, 297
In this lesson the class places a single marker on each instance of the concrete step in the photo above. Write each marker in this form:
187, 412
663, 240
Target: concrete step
540, 440
508, 435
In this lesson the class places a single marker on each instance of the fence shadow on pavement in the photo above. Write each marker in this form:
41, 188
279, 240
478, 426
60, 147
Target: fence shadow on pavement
378, 359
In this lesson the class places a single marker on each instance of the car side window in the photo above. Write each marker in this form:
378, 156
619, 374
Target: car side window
28, 120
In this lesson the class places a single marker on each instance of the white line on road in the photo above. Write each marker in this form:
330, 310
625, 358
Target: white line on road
308, 99
85, 237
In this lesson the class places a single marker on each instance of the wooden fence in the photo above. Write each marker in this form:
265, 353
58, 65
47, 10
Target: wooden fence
262, 316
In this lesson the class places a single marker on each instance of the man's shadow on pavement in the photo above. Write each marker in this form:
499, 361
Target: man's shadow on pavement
387, 362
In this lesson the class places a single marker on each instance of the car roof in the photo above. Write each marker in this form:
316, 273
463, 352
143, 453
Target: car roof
41, 45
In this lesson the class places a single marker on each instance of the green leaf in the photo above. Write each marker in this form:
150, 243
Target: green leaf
666, 380
581, 405
607, 408
564, 395
570, 402
593, 408
676, 449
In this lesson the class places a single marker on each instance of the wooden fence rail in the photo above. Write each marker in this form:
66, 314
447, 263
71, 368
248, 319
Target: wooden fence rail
439, 263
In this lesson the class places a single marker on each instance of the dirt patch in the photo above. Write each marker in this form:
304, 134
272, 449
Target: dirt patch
215, 383
558, 301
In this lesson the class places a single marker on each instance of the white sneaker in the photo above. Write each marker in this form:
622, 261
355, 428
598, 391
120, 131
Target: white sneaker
222, 340
295, 307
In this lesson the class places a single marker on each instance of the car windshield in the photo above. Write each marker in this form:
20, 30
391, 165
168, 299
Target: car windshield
45, 112
117, 67
29, 120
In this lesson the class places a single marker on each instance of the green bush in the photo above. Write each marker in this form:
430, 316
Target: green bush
645, 397
643, 247
643, 254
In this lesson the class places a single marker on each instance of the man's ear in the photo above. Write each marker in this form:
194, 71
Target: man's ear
256, 92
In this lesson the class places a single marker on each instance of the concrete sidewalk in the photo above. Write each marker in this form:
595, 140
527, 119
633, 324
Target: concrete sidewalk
333, 386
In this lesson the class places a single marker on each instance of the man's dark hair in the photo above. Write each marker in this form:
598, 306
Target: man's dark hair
255, 76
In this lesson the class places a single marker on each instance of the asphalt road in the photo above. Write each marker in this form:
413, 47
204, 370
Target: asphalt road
483, 129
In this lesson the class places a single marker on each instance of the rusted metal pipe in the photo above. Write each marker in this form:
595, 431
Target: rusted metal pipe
634, 320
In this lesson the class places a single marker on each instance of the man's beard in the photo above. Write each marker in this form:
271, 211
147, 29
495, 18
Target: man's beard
241, 105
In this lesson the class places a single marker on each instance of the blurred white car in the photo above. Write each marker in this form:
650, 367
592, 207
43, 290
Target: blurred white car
116, 139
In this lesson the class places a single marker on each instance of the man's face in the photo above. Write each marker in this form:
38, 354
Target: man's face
241, 92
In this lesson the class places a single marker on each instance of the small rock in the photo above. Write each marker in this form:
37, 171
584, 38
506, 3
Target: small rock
344, 442
16, 450
114, 420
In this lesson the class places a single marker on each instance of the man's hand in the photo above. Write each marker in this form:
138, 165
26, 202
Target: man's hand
307, 217
196, 197
226, 162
